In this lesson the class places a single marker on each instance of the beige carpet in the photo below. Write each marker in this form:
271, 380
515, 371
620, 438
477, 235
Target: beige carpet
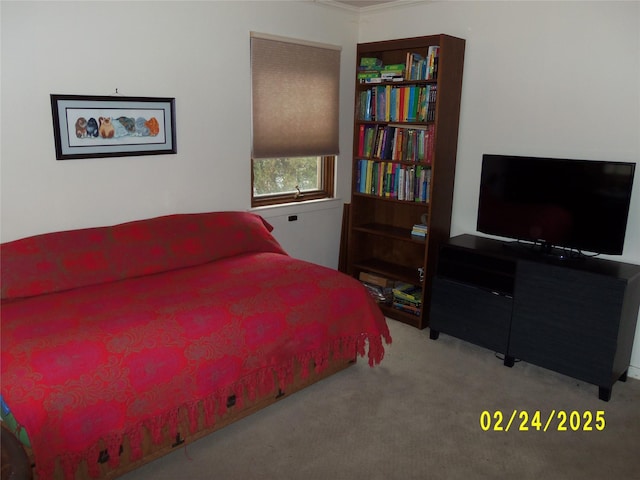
417, 416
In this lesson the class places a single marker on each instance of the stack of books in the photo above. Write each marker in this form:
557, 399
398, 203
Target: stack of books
369, 70
393, 72
372, 70
408, 298
419, 230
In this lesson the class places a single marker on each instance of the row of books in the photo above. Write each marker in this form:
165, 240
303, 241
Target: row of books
398, 103
397, 181
397, 142
418, 67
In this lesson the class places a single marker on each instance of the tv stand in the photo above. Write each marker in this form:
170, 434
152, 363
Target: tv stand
576, 316
544, 249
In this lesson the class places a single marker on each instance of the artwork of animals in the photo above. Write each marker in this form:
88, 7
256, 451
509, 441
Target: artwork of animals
92, 128
107, 127
81, 127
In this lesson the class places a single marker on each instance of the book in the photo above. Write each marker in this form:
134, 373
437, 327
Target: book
370, 138
381, 103
430, 144
370, 62
387, 95
363, 72
416, 67
431, 107
364, 105
433, 53
369, 178
394, 66
391, 76
401, 182
362, 170
379, 294
389, 178
420, 184
410, 186
419, 230
408, 292
367, 74
406, 301
372, 80
375, 279
412, 309
377, 152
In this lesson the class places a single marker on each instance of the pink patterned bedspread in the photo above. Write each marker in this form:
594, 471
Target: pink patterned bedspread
96, 363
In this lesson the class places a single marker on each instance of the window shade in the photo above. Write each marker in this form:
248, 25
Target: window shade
295, 95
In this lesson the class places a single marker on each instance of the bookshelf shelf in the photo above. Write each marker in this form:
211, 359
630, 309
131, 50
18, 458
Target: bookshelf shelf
392, 200
404, 148
389, 269
390, 231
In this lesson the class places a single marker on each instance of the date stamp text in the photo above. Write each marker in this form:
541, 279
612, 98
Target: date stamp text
559, 420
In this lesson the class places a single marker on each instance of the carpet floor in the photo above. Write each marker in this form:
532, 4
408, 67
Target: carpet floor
418, 416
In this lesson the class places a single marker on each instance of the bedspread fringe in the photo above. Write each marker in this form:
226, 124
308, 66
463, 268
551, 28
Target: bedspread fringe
202, 413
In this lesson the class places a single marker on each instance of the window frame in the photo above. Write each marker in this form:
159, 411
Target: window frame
327, 189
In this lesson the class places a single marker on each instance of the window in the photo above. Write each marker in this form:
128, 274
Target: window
295, 93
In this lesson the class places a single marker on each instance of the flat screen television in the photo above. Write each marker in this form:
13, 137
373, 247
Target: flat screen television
572, 204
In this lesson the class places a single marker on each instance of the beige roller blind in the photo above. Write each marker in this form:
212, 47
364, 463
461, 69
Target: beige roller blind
295, 95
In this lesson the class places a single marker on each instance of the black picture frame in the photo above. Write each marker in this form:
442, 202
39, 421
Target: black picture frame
94, 126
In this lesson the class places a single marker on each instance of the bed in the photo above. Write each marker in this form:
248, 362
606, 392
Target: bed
121, 343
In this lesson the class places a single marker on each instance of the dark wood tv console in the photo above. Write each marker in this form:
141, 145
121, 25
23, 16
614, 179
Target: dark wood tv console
576, 316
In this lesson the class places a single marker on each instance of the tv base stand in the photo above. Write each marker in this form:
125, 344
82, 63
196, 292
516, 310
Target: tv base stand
573, 316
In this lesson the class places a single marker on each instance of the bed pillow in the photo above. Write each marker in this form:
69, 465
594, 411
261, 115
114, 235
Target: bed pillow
63, 260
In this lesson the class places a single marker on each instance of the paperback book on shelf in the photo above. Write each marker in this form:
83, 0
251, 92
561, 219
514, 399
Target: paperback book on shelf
370, 62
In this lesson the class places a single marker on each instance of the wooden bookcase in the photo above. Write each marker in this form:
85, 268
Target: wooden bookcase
380, 224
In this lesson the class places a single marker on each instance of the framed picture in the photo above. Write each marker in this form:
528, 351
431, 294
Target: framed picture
112, 126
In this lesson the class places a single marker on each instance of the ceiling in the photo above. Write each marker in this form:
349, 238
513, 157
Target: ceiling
367, 4
364, 3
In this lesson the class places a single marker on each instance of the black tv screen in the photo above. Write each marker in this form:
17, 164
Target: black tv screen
576, 204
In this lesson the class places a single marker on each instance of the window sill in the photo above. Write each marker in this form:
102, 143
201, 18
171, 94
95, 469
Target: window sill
297, 207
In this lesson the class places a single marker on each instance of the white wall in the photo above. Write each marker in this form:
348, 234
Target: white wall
197, 52
557, 79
